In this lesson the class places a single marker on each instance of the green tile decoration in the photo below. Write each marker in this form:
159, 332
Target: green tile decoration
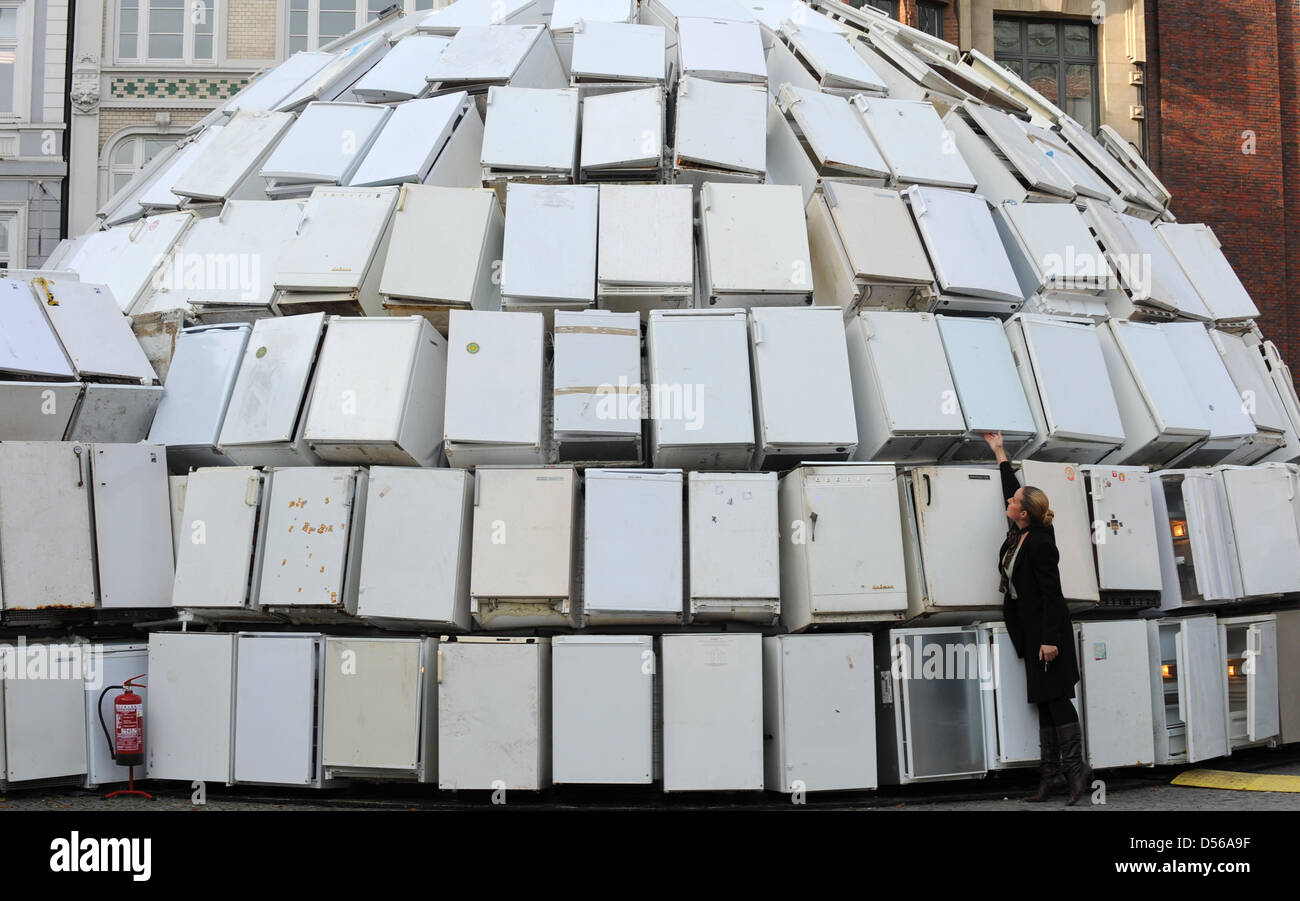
150, 88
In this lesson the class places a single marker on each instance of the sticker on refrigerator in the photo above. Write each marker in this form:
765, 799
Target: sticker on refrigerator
1099, 650
886, 689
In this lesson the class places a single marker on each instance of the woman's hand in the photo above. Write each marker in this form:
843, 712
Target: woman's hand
1047, 653
994, 440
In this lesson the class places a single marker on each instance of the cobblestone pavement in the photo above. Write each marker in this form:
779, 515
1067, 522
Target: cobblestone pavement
1125, 790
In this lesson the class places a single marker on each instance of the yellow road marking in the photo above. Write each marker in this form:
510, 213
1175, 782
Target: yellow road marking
1229, 781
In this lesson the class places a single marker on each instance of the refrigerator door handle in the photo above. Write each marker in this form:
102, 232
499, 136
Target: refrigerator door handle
439, 666
81, 476
928, 491
812, 525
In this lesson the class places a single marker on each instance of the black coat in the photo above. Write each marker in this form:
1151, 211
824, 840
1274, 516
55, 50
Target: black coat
1038, 615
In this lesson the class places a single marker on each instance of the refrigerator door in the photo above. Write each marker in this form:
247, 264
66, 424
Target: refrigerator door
133, 526
1262, 712
550, 242
275, 708
190, 712
712, 712
124, 258
374, 707
494, 378
800, 355
911, 373
1064, 485
1123, 520
1261, 500
493, 715
1059, 246
1014, 145
942, 725
326, 143
633, 550
848, 511
28, 344
395, 157
1115, 668
1207, 377
1198, 251
94, 332
417, 574
486, 53
826, 709
336, 239
523, 533
832, 58
1076, 405
363, 379
834, 132
1015, 719
623, 129
597, 374
753, 239
227, 163
961, 519
1200, 687
45, 526
645, 235
332, 80
734, 535
722, 126
720, 50
270, 393
602, 716
308, 533
443, 239
707, 354
216, 538
44, 719
878, 233
962, 239
1159, 377
403, 71
531, 129
984, 373
199, 383
1214, 550
606, 51
276, 84
911, 138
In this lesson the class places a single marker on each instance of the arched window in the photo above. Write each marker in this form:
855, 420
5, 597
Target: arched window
314, 23
130, 156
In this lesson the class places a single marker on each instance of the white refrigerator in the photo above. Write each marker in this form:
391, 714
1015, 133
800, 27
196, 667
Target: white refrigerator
190, 710
495, 371
989, 390
279, 706
1010, 722
1116, 692
1264, 506
753, 246
645, 248
117, 662
632, 546
494, 714
381, 713
133, 528
953, 526
819, 713
734, 546
712, 712
906, 405
412, 579
43, 719
841, 546
597, 391
218, 542
526, 531
38, 387
1124, 535
603, 726
803, 395
701, 404
378, 393
1196, 543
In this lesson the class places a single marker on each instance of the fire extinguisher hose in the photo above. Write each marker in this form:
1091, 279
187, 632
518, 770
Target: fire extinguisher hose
112, 749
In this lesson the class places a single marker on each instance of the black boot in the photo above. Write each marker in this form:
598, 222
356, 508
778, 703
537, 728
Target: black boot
1049, 765
1077, 771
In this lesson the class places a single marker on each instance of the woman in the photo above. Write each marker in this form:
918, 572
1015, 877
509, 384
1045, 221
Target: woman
1038, 622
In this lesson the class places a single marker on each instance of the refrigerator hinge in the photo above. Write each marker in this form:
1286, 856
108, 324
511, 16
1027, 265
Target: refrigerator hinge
253, 491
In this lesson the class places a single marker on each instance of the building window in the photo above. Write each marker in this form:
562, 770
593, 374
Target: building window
314, 23
130, 156
167, 30
12, 239
929, 18
15, 65
1058, 58
888, 7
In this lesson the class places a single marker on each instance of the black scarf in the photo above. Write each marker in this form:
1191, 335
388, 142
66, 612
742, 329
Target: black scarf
1006, 552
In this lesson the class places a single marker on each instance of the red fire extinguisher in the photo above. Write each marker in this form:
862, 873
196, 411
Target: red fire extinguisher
127, 742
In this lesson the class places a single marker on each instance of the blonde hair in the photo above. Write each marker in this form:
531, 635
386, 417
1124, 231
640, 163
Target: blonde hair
1035, 504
